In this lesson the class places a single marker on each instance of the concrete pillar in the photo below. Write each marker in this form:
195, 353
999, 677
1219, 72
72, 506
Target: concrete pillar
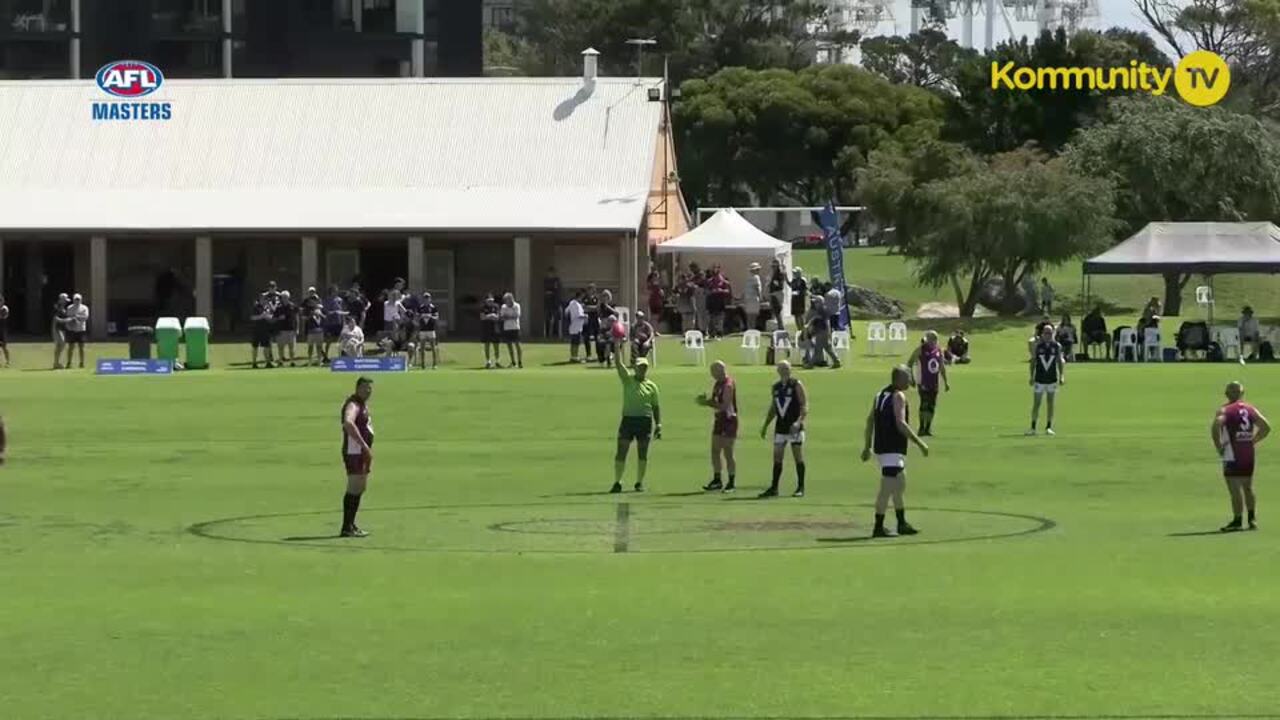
227, 49
627, 275
37, 318
357, 15
418, 47
523, 249
74, 58
204, 277
310, 264
1, 266
417, 275
98, 287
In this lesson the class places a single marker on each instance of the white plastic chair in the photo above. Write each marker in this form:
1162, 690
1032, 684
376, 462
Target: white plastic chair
877, 336
1229, 340
693, 343
1152, 351
624, 315
840, 343
782, 344
751, 345
1204, 296
897, 338
1128, 340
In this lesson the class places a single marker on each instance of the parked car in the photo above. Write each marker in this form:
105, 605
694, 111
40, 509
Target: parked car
811, 240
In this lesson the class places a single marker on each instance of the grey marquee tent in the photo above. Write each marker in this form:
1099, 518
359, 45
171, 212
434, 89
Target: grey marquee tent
1205, 248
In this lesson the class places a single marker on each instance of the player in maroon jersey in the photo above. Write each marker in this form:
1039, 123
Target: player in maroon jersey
724, 431
357, 453
932, 367
1237, 429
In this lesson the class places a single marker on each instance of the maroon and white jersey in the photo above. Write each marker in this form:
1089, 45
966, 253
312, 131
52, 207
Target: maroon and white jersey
717, 398
363, 425
930, 367
1238, 422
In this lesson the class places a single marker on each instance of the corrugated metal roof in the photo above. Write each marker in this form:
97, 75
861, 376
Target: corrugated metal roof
433, 154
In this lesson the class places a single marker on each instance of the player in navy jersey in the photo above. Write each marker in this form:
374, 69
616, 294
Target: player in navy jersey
428, 339
1048, 372
357, 453
1237, 428
887, 434
933, 367
790, 408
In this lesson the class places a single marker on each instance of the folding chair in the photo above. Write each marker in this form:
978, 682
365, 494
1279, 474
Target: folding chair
1128, 340
751, 345
693, 343
1229, 339
840, 343
897, 338
1151, 348
876, 338
782, 344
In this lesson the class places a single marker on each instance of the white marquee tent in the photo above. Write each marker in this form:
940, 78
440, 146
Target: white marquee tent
727, 239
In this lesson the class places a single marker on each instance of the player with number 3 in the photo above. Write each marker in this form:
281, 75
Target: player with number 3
1237, 428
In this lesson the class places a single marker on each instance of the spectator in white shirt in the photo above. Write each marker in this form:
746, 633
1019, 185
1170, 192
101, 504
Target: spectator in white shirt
392, 312
1250, 333
77, 327
576, 314
751, 296
351, 341
509, 314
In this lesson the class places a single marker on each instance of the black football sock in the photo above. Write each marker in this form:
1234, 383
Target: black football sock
348, 510
731, 479
879, 521
777, 475
800, 475
715, 479
902, 516
1253, 516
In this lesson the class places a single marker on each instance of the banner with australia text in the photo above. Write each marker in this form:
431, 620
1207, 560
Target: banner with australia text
829, 220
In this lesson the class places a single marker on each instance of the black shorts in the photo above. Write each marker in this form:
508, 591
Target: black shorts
511, 336
635, 428
891, 471
261, 339
928, 400
74, 337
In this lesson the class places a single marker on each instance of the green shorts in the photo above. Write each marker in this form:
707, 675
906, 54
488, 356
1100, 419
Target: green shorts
635, 428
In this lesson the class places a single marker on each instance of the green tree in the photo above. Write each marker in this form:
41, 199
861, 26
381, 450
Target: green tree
1000, 120
927, 59
1169, 161
777, 136
964, 221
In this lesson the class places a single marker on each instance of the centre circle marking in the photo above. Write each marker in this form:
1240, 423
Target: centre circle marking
745, 520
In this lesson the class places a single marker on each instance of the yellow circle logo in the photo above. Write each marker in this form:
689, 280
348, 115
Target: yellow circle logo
1202, 78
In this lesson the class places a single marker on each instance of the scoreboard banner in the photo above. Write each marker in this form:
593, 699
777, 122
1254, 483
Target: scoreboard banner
134, 367
370, 364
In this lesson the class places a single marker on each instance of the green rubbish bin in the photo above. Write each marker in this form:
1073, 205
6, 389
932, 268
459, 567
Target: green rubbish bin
196, 332
168, 337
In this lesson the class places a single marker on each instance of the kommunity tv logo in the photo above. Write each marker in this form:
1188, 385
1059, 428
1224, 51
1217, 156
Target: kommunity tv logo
1202, 78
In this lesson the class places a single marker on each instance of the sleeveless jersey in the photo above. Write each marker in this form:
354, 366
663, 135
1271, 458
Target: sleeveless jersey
1238, 422
887, 440
786, 402
1046, 360
717, 397
363, 425
930, 367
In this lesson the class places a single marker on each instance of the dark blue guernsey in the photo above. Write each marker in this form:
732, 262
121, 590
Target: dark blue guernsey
888, 440
1046, 359
786, 402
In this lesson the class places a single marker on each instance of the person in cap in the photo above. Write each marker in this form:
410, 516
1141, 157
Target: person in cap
642, 337
77, 327
58, 328
887, 433
752, 295
799, 292
777, 292
641, 419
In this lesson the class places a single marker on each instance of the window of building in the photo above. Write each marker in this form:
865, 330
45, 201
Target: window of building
186, 17
188, 59
35, 59
35, 16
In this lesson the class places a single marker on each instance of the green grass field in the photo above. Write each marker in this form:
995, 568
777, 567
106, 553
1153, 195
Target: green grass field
876, 269
165, 546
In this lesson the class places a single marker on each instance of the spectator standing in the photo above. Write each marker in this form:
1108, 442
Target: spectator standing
428, 331
1250, 335
552, 303
799, 294
606, 316
261, 318
357, 304
719, 294
818, 331
313, 329
1047, 296
335, 309
1067, 337
4, 334
393, 312
753, 297
1093, 329
657, 298
832, 301
59, 330
591, 331
701, 314
490, 331
77, 327
684, 303
777, 294
510, 314
285, 325
576, 316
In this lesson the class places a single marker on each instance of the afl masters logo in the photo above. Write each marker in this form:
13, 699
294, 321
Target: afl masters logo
130, 80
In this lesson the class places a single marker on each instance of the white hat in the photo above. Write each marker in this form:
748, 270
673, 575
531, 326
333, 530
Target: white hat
77, 297
754, 266
797, 270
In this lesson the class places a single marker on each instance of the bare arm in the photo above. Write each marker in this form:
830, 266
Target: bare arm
768, 418
945, 381
727, 400
1215, 432
1264, 429
911, 364
1062, 368
869, 433
804, 404
904, 427
353, 432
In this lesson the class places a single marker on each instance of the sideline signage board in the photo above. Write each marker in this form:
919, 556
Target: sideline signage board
134, 367
396, 363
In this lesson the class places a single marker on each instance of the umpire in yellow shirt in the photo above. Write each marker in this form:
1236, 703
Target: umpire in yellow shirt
640, 419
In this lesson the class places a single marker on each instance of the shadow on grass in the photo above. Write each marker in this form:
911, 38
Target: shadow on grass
310, 538
846, 540
695, 493
592, 493
1205, 533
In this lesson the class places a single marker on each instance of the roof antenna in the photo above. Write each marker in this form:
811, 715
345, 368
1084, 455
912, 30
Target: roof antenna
640, 44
